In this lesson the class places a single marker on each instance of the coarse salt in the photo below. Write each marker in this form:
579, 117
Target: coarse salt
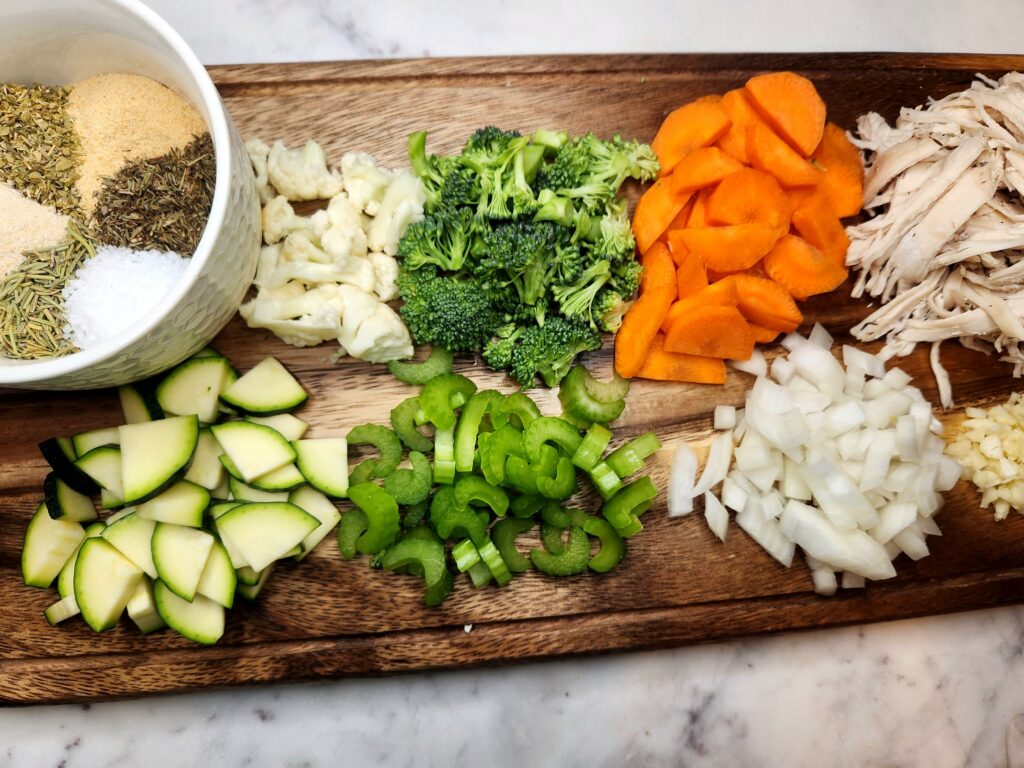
114, 290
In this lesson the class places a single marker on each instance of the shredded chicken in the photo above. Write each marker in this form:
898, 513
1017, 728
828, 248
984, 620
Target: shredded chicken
944, 251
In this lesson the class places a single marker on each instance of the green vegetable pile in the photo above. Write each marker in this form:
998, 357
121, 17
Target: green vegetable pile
525, 252
498, 469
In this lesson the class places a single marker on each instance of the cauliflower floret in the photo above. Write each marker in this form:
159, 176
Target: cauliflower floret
270, 257
385, 272
365, 181
258, 152
302, 174
280, 220
341, 229
371, 330
401, 206
302, 260
302, 320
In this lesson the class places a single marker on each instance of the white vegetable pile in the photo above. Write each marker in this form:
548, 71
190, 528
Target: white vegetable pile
327, 276
945, 249
844, 463
991, 450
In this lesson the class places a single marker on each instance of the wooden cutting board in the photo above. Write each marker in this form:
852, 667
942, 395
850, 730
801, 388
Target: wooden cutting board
329, 618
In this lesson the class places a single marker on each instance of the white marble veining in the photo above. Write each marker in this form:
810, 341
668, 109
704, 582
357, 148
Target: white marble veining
937, 692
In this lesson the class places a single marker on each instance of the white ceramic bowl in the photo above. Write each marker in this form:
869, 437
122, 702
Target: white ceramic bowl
63, 41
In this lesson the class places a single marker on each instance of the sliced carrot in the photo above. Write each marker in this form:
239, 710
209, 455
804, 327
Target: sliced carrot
842, 178
772, 155
692, 126
731, 248
676, 246
741, 112
710, 98
720, 294
655, 210
673, 366
644, 318
702, 168
766, 303
756, 269
698, 214
791, 105
802, 269
691, 275
748, 196
763, 335
679, 222
816, 223
711, 331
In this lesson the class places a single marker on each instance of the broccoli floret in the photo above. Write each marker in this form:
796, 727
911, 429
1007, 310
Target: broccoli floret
520, 253
613, 236
489, 148
575, 300
608, 309
626, 277
618, 160
498, 351
443, 239
548, 350
453, 312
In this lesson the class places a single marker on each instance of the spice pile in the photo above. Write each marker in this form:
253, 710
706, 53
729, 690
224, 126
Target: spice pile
116, 160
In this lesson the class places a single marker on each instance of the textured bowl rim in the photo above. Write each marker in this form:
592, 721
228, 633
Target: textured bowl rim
23, 372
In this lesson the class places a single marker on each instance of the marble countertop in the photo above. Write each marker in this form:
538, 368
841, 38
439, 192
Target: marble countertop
931, 692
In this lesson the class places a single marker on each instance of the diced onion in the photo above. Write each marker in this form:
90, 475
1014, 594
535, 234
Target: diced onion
682, 476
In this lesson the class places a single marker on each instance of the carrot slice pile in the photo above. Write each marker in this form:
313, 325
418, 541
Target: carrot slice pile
698, 124
744, 219
802, 269
791, 105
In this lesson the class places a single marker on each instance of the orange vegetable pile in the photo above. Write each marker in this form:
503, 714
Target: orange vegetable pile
743, 221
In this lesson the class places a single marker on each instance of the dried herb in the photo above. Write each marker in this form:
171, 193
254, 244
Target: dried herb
159, 204
31, 299
39, 150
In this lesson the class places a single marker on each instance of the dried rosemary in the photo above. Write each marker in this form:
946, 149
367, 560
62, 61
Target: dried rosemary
158, 204
39, 149
31, 302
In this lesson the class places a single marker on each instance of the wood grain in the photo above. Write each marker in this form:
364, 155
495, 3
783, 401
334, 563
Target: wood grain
327, 618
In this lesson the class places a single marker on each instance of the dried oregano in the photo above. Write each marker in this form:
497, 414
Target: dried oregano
32, 303
160, 203
39, 150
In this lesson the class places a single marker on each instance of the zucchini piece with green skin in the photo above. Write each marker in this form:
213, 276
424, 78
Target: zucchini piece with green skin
121, 513
138, 405
439, 361
132, 536
254, 449
267, 531
63, 609
242, 492
252, 591
49, 544
247, 576
201, 620
84, 442
142, 608
182, 504
320, 507
65, 503
383, 521
504, 535
180, 554
572, 559
265, 390
155, 455
60, 455
215, 512
103, 465
287, 478
194, 387
429, 557
206, 469
66, 577
219, 579
104, 582
291, 427
323, 462
207, 352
